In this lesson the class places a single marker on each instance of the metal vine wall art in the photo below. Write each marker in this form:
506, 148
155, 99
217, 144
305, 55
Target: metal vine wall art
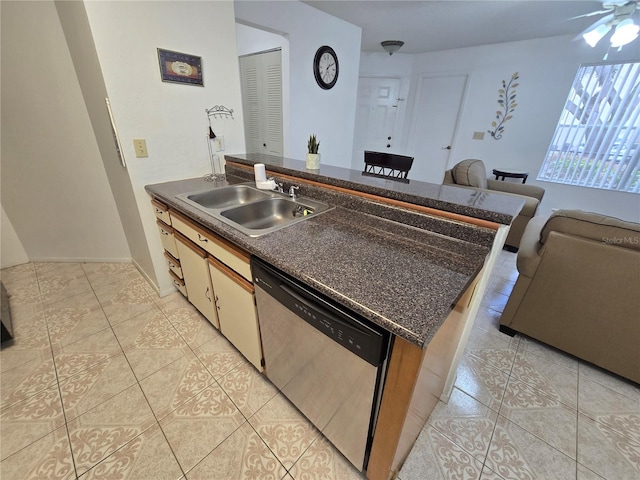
507, 102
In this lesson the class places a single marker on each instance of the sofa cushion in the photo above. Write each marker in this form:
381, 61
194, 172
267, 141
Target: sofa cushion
593, 226
470, 172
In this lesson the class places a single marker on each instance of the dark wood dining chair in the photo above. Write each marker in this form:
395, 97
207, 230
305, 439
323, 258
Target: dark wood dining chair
387, 165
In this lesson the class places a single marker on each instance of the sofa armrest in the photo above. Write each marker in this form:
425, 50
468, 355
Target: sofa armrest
529, 252
583, 300
516, 188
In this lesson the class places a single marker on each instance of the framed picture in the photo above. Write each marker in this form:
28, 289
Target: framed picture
179, 67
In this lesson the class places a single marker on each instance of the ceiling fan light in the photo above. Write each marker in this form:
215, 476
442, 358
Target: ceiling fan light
592, 37
626, 32
391, 46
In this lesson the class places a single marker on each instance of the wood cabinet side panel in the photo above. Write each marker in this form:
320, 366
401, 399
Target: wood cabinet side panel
403, 370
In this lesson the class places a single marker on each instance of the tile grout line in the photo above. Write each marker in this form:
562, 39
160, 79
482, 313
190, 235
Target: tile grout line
55, 369
246, 419
495, 426
139, 386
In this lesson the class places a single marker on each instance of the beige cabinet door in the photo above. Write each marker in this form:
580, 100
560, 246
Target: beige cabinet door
193, 261
237, 311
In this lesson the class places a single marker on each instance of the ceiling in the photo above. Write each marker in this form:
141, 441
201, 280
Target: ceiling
427, 26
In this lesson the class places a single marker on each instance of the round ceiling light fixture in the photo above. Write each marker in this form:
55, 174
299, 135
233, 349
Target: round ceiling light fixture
391, 46
626, 32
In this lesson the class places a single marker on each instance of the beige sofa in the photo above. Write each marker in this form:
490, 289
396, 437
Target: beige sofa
578, 289
471, 173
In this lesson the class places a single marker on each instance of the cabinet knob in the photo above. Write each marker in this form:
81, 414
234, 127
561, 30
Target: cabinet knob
388, 145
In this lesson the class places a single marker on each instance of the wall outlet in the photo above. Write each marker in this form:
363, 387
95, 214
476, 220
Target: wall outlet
219, 142
478, 135
140, 146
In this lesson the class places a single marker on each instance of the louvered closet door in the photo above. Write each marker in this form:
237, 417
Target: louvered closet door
262, 101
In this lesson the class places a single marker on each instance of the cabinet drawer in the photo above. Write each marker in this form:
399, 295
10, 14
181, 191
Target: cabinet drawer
178, 283
168, 240
174, 265
161, 211
220, 248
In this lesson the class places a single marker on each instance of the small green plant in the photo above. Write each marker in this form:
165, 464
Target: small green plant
313, 144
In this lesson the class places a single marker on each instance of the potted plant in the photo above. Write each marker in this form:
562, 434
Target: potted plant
313, 157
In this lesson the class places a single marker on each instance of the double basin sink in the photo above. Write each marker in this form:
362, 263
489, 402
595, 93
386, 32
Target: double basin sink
253, 212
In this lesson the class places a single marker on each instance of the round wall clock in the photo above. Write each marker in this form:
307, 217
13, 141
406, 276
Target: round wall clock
325, 67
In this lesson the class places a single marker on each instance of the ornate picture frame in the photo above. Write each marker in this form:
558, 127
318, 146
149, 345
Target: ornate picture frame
176, 67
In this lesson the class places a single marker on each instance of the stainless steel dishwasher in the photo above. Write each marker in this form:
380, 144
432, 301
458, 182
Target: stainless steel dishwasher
327, 361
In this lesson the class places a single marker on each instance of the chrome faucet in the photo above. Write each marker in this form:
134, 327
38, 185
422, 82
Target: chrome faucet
292, 191
279, 187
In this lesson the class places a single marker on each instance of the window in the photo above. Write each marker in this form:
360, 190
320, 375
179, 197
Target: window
597, 141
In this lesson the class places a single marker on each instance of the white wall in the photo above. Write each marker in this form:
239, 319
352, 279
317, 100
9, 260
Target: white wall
54, 186
11, 250
330, 114
171, 117
546, 68
251, 40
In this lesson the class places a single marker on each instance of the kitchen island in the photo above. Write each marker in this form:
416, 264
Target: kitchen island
411, 258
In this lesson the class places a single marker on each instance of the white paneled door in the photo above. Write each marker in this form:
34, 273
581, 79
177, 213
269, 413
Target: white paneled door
376, 115
435, 119
261, 75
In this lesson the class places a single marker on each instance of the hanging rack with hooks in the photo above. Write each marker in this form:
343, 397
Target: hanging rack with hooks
216, 112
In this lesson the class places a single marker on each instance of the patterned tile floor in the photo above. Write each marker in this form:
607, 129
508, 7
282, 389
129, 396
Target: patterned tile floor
106, 380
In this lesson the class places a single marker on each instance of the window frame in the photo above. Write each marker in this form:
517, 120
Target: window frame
596, 143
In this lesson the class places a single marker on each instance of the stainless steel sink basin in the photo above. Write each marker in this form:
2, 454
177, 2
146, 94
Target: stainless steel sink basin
227, 196
254, 212
267, 214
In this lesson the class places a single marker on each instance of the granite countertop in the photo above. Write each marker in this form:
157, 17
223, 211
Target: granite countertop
402, 278
494, 207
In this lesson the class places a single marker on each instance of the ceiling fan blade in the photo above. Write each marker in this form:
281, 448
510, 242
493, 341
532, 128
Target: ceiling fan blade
602, 21
599, 12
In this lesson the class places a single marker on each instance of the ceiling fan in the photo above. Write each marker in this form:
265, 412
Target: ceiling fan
619, 17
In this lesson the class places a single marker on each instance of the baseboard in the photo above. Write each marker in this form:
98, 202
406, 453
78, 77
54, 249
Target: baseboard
12, 264
161, 293
79, 260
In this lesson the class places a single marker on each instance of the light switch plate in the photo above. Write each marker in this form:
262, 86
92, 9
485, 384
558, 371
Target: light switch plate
140, 146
